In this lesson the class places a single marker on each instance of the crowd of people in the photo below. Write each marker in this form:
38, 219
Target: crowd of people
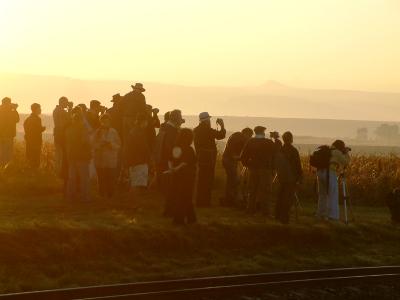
128, 146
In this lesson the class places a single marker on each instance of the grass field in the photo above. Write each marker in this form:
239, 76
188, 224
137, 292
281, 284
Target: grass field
47, 242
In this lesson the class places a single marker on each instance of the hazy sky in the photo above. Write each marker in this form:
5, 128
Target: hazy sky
351, 44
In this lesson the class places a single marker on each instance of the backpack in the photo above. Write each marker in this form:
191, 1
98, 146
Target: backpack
320, 159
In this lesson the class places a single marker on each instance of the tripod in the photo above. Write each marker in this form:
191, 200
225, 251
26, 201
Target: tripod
347, 204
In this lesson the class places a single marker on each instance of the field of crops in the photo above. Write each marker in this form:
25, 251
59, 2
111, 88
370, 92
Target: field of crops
370, 177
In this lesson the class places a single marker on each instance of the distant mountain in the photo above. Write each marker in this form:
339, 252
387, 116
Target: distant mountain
308, 112
271, 99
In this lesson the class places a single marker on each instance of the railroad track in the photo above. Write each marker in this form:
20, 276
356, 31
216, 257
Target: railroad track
217, 286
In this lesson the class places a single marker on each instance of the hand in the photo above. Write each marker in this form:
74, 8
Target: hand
220, 122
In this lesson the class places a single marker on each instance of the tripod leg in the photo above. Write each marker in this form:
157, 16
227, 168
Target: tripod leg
345, 200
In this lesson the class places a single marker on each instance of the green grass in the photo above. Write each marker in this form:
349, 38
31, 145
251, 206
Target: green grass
47, 242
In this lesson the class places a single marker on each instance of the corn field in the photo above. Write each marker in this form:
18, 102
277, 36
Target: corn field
370, 178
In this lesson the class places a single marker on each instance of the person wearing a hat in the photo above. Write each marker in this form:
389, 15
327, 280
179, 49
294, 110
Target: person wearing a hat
164, 144
206, 148
9, 118
258, 156
133, 104
115, 113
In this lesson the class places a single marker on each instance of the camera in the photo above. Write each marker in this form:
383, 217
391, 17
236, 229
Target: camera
155, 111
347, 149
274, 134
14, 105
219, 121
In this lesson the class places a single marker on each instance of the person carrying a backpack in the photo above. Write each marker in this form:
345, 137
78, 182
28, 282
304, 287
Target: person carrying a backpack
337, 159
290, 173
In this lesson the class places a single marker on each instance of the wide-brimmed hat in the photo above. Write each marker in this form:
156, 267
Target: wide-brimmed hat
116, 98
138, 86
175, 116
204, 116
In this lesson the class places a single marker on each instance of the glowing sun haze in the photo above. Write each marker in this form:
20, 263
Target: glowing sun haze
311, 43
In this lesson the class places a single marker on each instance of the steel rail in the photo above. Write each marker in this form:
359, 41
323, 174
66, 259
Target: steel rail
207, 285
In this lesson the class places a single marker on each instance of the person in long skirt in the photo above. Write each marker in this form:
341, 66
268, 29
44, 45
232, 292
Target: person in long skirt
183, 175
328, 186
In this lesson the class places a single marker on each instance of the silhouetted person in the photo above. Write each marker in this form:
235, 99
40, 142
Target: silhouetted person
166, 119
258, 156
153, 114
93, 114
33, 136
165, 142
230, 159
133, 104
9, 118
290, 173
138, 148
183, 175
107, 144
115, 113
79, 155
61, 119
206, 149
328, 187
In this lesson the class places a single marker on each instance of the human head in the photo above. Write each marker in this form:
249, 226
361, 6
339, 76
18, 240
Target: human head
105, 121
166, 116
6, 101
339, 145
175, 117
63, 102
149, 109
95, 105
116, 98
287, 138
205, 118
36, 109
185, 137
260, 130
247, 133
83, 107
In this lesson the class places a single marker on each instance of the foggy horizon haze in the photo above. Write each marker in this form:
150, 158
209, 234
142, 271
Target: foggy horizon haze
268, 99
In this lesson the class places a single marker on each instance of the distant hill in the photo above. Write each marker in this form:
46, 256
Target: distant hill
271, 99
307, 112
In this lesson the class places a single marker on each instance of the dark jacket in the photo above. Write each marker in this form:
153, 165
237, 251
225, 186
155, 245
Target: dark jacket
133, 103
164, 144
234, 146
288, 165
93, 119
78, 143
9, 118
204, 142
138, 147
258, 153
61, 120
33, 129
115, 113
